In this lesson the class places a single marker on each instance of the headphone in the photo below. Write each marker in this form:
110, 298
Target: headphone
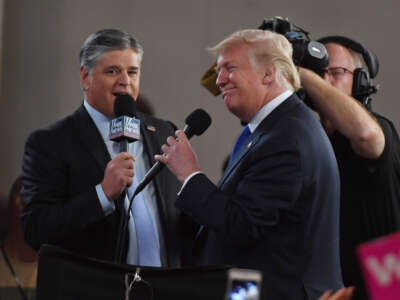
362, 85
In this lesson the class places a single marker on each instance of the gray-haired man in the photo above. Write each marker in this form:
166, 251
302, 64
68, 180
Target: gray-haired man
73, 175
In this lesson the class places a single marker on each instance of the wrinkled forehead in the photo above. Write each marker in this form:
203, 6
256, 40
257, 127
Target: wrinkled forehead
233, 53
339, 56
128, 57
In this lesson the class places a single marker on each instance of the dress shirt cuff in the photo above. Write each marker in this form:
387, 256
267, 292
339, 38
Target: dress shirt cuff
107, 206
187, 180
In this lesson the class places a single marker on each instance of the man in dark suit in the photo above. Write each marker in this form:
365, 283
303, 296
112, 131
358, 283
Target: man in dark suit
74, 176
276, 207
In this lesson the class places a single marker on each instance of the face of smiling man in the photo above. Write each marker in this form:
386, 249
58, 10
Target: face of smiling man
240, 82
116, 72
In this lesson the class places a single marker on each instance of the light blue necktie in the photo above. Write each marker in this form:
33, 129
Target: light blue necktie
241, 139
147, 242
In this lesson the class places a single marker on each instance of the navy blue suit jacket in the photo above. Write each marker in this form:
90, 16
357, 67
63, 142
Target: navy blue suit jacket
276, 208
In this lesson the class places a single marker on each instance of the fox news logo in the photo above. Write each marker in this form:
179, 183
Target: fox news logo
125, 127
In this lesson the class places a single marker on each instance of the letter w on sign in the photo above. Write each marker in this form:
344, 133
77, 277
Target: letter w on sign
380, 263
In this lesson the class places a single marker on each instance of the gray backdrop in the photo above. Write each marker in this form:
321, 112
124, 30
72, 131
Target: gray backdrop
41, 40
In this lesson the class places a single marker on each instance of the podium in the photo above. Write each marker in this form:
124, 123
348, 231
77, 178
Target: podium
63, 275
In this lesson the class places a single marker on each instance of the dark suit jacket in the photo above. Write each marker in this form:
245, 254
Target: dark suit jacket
276, 208
62, 165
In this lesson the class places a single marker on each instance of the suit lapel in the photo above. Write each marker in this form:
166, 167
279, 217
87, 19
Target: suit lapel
91, 138
240, 154
264, 127
148, 132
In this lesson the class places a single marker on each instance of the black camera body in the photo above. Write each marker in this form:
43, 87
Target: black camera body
306, 53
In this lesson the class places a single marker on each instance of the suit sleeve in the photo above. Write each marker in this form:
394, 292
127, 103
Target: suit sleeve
51, 214
260, 192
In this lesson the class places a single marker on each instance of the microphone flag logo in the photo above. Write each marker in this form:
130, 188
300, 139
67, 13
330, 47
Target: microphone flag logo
124, 127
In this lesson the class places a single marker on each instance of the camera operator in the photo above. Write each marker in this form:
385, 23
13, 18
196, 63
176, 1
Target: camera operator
366, 145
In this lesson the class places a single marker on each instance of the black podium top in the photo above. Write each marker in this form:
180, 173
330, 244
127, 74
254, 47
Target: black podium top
64, 275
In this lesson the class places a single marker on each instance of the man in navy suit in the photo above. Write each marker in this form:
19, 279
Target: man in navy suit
74, 176
276, 207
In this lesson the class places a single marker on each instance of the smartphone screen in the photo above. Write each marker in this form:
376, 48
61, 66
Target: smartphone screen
243, 284
244, 290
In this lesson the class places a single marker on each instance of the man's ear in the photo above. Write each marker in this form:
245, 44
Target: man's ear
85, 78
269, 75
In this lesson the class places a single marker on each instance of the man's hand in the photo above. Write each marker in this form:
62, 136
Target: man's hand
342, 294
118, 175
179, 156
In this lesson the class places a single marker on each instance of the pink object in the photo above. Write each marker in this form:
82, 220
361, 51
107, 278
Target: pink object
380, 263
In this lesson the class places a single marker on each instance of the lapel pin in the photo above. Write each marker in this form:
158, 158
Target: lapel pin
151, 128
249, 144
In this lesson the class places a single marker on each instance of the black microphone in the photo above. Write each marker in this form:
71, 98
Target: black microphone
125, 128
196, 123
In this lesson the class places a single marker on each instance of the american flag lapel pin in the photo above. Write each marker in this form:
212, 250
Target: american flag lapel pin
151, 128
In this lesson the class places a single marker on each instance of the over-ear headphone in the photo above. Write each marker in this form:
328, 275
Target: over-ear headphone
362, 85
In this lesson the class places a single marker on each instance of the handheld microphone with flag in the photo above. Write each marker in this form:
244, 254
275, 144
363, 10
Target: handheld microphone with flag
125, 128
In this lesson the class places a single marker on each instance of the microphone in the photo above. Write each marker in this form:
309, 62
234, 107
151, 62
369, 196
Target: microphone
196, 123
125, 128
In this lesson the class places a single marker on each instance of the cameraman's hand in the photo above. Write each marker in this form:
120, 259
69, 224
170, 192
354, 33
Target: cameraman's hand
341, 112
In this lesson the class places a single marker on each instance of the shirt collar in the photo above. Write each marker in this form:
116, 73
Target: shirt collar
100, 120
267, 109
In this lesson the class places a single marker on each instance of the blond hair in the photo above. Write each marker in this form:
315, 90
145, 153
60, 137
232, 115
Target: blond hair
267, 47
